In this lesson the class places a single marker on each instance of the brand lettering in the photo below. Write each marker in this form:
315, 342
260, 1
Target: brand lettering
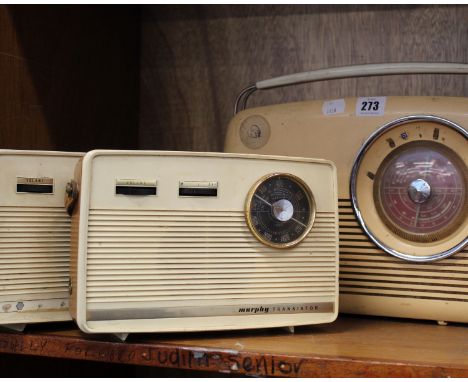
35, 180
131, 182
279, 309
254, 310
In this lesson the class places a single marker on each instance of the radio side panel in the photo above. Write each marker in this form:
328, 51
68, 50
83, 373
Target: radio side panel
74, 241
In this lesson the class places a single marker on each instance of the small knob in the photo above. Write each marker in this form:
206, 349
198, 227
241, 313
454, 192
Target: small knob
69, 189
71, 196
419, 191
283, 210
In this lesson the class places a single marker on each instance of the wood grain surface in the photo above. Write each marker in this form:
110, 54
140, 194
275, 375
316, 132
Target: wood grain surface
69, 77
196, 59
350, 347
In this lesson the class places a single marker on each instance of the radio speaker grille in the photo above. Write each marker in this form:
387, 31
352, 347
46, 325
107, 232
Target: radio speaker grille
367, 270
34, 253
156, 256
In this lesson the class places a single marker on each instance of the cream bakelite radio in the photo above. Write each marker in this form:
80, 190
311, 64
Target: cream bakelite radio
34, 237
174, 241
402, 182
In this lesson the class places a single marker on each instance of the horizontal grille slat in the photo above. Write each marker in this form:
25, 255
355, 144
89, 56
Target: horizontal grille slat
148, 256
137, 277
50, 279
208, 268
38, 251
37, 260
149, 236
33, 290
28, 296
429, 279
436, 294
380, 257
213, 251
114, 283
214, 297
221, 256
202, 266
31, 255
180, 292
421, 286
34, 252
33, 225
203, 246
367, 270
185, 230
27, 268
458, 266
6, 220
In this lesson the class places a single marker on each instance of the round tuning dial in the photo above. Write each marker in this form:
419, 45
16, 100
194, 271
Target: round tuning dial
280, 210
409, 188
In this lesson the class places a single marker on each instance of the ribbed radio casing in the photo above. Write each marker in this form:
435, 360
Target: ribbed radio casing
371, 281
34, 238
174, 263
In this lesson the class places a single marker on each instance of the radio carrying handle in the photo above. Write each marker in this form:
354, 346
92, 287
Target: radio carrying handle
341, 72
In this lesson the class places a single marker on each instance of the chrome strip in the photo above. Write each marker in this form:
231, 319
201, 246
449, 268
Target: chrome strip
253, 309
372, 138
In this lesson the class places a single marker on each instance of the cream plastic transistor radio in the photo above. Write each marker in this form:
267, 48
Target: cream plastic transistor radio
402, 183
174, 241
34, 236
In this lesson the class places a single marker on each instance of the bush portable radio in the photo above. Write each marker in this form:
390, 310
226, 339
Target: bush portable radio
402, 184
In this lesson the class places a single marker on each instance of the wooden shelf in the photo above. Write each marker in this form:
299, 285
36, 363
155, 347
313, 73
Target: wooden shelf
350, 347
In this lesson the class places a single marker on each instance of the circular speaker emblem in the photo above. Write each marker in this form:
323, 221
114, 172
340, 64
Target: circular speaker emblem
254, 132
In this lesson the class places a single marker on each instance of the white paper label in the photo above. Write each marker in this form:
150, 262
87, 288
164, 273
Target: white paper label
370, 106
335, 106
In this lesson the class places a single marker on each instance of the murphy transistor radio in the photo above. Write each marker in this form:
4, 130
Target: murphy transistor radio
178, 241
402, 183
34, 236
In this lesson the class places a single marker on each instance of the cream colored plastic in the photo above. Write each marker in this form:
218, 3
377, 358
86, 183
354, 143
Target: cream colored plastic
371, 281
166, 263
34, 239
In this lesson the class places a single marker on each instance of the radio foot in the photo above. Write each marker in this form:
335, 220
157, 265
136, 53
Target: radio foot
121, 336
14, 327
442, 323
289, 329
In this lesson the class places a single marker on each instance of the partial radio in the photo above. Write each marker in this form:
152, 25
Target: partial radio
178, 241
402, 181
34, 237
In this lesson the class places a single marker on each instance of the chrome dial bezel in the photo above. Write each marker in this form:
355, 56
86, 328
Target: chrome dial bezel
353, 185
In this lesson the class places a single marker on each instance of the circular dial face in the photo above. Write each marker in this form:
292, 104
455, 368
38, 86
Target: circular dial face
419, 191
409, 188
280, 210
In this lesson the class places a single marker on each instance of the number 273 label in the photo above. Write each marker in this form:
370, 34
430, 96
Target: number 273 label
370, 106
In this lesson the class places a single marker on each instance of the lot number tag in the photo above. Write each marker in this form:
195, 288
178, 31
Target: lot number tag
370, 106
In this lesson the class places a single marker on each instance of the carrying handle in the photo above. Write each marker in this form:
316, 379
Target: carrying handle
341, 72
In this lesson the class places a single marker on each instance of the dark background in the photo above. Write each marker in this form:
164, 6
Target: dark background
166, 77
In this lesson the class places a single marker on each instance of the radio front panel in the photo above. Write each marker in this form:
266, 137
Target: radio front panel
34, 236
171, 242
402, 184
